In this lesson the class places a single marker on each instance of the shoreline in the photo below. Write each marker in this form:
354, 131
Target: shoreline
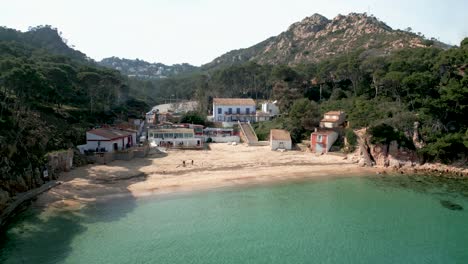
222, 166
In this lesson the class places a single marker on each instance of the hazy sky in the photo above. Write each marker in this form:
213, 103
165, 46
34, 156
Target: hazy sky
197, 31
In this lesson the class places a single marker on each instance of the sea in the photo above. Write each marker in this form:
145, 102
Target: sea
367, 219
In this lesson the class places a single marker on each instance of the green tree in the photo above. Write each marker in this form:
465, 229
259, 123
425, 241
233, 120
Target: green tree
193, 118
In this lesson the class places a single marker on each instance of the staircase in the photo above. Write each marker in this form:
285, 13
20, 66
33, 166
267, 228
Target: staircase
248, 134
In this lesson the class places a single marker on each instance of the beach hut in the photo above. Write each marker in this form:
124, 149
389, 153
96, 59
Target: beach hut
280, 139
109, 139
322, 140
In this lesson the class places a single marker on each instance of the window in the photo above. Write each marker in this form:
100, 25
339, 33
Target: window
247, 111
230, 111
220, 111
238, 111
319, 138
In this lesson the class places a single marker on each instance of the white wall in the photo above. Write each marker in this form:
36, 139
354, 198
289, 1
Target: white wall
276, 144
270, 108
225, 108
225, 139
92, 142
328, 124
187, 142
331, 140
108, 145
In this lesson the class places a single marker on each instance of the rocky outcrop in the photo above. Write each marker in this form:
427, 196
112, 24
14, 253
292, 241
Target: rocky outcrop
316, 38
401, 159
13, 190
59, 161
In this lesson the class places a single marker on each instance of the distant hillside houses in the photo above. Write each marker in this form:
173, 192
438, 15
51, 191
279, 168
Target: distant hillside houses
145, 70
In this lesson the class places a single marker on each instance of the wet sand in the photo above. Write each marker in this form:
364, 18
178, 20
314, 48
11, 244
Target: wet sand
163, 173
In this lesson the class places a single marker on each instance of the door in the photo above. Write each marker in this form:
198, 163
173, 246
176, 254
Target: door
318, 148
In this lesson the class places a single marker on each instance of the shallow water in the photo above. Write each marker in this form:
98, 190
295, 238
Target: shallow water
341, 220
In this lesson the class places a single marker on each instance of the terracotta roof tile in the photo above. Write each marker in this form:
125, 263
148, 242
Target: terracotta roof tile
111, 133
233, 101
323, 132
334, 113
279, 134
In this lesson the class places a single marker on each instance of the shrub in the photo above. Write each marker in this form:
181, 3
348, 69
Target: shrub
384, 134
351, 138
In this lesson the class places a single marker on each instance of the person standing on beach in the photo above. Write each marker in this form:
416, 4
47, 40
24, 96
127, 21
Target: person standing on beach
192, 162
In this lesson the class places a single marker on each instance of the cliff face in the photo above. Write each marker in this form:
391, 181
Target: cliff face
399, 158
316, 38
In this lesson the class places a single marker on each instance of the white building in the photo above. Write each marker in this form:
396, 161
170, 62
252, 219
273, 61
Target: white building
233, 110
109, 140
151, 117
270, 108
333, 119
175, 138
280, 139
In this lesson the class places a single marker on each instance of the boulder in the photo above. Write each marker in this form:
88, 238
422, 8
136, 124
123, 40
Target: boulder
393, 162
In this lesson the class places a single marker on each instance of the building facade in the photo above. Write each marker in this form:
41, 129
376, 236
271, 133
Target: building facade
174, 138
270, 108
333, 119
234, 109
280, 139
321, 141
109, 140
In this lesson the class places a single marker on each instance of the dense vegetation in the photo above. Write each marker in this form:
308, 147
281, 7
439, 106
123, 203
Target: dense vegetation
49, 95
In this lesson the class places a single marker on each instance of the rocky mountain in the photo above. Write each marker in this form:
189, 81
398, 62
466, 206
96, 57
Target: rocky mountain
41, 39
316, 38
146, 70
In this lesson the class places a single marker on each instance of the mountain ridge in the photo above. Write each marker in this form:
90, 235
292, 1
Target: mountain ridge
316, 38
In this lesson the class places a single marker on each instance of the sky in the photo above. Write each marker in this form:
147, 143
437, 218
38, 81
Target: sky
198, 31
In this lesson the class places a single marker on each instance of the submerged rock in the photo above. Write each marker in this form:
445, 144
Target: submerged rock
451, 205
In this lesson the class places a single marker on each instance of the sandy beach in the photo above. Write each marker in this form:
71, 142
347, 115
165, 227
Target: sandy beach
162, 173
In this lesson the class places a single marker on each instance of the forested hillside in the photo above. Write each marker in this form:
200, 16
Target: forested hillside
49, 95
145, 70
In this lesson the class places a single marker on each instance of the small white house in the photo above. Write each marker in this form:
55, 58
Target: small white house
270, 108
333, 119
233, 110
280, 139
109, 140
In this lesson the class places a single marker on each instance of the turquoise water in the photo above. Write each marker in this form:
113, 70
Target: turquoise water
347, 220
